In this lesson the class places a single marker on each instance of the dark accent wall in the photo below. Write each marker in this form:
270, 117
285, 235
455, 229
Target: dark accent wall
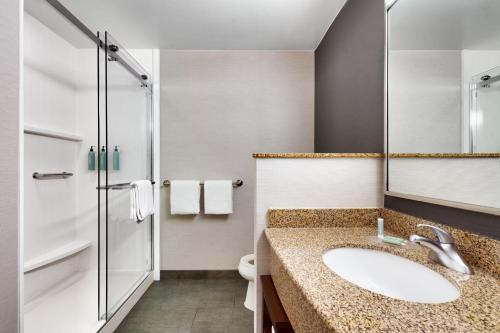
349, 97
479, 223
349, 92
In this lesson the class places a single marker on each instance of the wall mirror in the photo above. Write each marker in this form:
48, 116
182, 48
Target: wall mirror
443, 102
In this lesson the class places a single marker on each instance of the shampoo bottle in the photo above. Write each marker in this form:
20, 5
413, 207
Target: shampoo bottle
116, 159
91, 159
103, 159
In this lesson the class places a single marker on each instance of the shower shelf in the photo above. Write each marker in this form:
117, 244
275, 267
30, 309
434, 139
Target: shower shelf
28, 129
55, 255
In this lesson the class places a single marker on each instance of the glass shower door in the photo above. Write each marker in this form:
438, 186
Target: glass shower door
485, 112
128, 148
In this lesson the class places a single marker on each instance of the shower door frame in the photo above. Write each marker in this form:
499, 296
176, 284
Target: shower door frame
134, 68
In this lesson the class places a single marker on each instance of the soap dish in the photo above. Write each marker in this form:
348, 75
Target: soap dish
394, 240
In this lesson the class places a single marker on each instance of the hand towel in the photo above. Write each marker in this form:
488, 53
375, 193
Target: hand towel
218, 196
141, 200
184, 197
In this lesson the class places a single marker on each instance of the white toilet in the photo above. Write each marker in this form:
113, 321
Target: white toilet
247, 271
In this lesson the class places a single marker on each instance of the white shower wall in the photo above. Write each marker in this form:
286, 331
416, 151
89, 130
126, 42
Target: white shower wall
52, 207
49, 102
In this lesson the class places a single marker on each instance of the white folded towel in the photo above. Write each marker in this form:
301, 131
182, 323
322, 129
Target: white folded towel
218, 196
185, 197
141, 200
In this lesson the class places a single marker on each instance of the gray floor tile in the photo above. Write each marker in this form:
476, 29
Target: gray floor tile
241, 316
220, 316
241, 328
216, 298
154, 330
210, 328
240, 295
191, 306
188, 299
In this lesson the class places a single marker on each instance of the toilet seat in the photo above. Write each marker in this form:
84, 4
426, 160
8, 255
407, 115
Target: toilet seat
247, 268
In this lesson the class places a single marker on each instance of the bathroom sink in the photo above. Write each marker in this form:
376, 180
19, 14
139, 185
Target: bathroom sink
390, 275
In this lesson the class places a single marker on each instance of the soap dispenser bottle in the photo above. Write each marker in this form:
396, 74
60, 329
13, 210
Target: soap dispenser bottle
91, 159
116, 159
103, 159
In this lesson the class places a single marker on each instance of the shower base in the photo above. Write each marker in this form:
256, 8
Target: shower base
70, 307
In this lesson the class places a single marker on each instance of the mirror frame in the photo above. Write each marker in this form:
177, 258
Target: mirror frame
442, 202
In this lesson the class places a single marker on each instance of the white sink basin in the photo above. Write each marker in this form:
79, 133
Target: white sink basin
390, 275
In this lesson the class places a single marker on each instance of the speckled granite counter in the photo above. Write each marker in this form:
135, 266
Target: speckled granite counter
318, 155
317, 300
376, 155
444, 155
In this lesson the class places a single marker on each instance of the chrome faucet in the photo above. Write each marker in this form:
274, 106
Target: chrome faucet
443, 250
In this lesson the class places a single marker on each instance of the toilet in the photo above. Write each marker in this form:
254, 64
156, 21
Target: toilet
247, 271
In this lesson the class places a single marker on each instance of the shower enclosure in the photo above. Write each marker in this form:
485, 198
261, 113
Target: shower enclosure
83, 254
485, 112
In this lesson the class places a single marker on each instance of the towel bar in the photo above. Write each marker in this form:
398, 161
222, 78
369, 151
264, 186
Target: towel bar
61, 175
120, 186
236, 183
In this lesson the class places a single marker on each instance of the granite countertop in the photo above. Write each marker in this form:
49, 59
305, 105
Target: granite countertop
318, 300
318, 155
376, 155
444, 155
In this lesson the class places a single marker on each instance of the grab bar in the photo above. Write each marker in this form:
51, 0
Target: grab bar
236, 183
119, 186
62, 175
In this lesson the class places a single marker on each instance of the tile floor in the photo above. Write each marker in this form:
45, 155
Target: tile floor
187, 305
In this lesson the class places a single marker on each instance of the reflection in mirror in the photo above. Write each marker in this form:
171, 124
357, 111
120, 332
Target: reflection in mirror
443, 76
485, 111
443, 101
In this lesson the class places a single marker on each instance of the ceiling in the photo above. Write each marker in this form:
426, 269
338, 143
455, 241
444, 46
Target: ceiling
445, 25
200, 24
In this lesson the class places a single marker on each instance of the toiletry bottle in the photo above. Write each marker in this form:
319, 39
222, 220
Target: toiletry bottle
103, 159
116, 159
91, 159
380, 228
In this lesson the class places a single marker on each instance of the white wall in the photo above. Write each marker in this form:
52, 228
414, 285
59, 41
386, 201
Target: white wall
425, 101
219, 107
10, 62
310, 183
467, 180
